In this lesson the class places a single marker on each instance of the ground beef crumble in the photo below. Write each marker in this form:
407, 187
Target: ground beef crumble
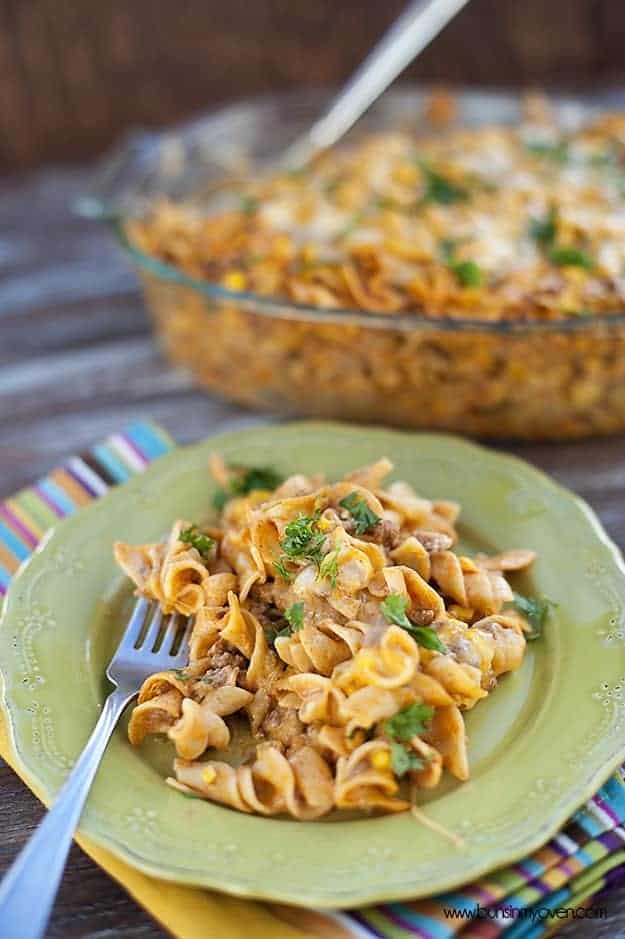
226, 665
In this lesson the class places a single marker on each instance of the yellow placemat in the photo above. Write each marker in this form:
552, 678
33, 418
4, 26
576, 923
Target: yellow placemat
185, 911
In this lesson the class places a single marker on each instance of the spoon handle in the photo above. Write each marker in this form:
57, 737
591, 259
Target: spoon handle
411, 32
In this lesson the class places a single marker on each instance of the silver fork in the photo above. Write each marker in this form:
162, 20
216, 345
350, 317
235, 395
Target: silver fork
28, 890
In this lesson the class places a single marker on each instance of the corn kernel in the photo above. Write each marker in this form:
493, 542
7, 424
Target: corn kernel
465, 613
406, 173
282, 248
209, 775
366, 658
235, 280
324, 524
381, 759
467, 565
309, 254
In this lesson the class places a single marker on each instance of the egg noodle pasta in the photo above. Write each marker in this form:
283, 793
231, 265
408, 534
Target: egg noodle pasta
495, 222
464, 273
336, 623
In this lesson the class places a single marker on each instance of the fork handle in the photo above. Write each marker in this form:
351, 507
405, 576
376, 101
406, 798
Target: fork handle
30, 886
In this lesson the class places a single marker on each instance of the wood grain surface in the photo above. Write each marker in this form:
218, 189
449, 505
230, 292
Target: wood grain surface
74, 73
76, 361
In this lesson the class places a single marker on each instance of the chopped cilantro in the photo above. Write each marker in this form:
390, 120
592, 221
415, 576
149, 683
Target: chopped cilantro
364, 517
570, 257
256, 477
282, 570
394, 610
427, 637
329, 568
402, 760
248, 204
584, 311
535, 611
409, 722
447, 248
179, 673
271, 633
544, 230
303, 540
439, 189
220, 498
558, 152
295, 616
401, 728
197, 539
468, 273
245, 479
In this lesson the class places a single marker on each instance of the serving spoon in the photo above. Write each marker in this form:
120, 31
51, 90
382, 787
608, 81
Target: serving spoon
412, 31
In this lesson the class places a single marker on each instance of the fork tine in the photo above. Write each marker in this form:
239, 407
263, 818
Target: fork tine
172, 625
135, 624
152, 632
182, 655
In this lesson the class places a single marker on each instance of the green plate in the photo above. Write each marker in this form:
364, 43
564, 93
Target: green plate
541, 744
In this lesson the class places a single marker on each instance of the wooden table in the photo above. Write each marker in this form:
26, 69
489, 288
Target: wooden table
76, 361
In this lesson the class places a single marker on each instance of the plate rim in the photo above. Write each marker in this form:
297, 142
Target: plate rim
552, 823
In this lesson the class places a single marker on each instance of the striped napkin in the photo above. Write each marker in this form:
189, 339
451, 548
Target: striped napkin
567, 878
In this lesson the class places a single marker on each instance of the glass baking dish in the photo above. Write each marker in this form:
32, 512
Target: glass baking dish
552, 379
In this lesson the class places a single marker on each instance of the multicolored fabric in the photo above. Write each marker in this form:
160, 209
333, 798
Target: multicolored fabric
576, 868
26, 516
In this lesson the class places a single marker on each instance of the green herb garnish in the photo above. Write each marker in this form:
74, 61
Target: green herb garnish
179, 673
244, 480
303, 540
570, 257
558, 152
403, 760
439, 189
394, 610
248, 204
295, 616
197, 539
295, 619
447, 248
329, 568
271, 634
364, 517
544, 230
409, 722
282, 570
468, 273
401, 728
427, 637
535, 611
